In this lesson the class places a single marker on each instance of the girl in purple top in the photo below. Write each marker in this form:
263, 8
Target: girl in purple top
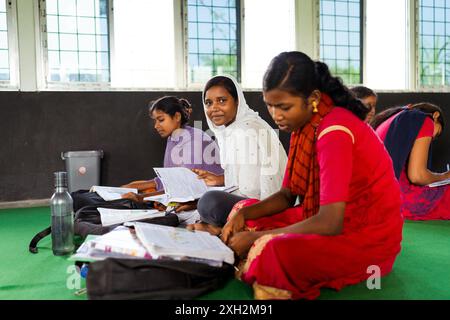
186, 146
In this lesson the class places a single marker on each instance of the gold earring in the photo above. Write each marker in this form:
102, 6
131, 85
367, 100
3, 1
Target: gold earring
315, 110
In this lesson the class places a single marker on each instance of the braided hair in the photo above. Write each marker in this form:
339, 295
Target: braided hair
171, 105
296, 73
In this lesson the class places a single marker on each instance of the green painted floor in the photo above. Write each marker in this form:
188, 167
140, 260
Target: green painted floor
422, 271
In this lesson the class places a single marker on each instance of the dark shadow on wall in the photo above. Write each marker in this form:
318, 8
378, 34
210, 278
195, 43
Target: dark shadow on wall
37, 126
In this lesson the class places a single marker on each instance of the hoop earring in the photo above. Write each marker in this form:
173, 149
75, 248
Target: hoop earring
315, 110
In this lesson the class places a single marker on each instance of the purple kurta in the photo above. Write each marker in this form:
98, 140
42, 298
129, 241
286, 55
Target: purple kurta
193, 149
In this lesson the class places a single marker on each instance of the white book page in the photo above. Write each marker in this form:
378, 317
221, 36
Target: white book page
112, 193
226, 189
120, 240
111, 217
171, 241
181, 184
163, 198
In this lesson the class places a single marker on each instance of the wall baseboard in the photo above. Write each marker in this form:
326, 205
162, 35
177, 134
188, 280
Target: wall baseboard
25, 204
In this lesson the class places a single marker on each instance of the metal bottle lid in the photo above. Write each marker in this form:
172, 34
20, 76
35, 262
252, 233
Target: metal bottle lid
61, 179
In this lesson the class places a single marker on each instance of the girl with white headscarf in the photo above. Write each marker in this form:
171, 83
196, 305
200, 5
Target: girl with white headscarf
251, 154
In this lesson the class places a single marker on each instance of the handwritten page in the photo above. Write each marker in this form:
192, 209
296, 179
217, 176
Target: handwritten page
440, 183
177, 242
111, 217
181, 184
112, 193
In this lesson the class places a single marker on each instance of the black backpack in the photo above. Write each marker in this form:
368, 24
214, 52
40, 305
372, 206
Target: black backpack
134, 279
87, 218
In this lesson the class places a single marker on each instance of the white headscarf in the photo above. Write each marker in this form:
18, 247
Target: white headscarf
249, 136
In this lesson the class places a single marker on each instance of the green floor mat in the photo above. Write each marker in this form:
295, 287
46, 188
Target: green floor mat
422, 270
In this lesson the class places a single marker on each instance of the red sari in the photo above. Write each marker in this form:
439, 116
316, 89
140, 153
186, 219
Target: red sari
354, 168
420, 202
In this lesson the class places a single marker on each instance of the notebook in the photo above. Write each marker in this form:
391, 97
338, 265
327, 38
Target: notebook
111, 217
119, 243
111, 193
178, 243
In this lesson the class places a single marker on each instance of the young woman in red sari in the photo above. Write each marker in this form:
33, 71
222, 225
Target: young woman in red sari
348, 219
407, 133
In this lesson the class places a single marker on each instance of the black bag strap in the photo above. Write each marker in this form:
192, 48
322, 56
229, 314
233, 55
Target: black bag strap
119, 204
33, 244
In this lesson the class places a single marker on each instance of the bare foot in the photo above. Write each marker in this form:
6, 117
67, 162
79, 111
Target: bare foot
202, 226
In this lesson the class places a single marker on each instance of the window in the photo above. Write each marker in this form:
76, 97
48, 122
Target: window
77, 40
386, 59
275, 27
434, 43
213, 39
4, 52
340, 38
144, 44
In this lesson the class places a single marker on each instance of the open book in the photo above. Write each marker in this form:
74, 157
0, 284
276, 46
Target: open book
151, 241
182, 185
177, 243
111, 193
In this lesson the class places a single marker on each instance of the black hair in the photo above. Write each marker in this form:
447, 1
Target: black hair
425, 107
225, 82
297, 74
362, 92
171, 105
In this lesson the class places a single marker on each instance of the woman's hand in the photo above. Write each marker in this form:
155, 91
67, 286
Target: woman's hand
187, 206
133, 197
234, 225
210, 178
241, 242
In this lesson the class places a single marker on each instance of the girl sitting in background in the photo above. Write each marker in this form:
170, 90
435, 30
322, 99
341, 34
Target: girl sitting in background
251, 153
368, 97
185, 145
407, 133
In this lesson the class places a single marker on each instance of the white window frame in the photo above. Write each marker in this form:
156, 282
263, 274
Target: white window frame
11, 20
415, 54
316, 35
184, 81
43, 82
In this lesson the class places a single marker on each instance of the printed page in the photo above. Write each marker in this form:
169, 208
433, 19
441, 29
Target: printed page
178, 242
119, 241
111, 217
181, 184
112, 193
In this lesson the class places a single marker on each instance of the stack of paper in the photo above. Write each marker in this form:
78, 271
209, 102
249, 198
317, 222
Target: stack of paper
111, 193
119, 243
150, 241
